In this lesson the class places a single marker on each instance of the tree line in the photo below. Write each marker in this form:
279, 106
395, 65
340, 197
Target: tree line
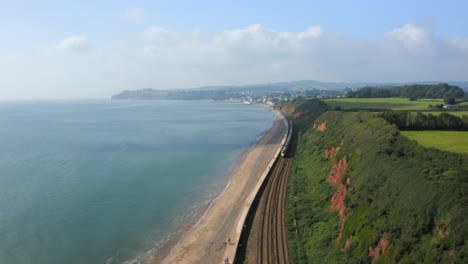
406, 120
441, 90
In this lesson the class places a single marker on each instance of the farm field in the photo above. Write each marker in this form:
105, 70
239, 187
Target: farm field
455, 141
394, 103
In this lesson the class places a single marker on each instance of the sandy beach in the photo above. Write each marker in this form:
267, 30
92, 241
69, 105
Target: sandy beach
206, 241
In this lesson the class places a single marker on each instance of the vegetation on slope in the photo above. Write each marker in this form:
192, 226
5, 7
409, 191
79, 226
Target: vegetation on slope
303, 110
360, 193
441, 90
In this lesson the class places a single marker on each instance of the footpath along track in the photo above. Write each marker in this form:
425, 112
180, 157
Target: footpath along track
268, 241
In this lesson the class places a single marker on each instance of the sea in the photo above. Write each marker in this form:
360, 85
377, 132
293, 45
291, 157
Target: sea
110, 181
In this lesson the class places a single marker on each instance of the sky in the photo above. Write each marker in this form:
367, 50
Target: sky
95, 49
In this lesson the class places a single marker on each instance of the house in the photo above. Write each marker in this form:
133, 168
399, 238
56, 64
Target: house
450, 107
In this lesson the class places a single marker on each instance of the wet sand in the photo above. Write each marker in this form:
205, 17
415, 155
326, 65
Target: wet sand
206, 241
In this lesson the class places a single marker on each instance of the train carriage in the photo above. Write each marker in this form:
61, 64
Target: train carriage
288, 140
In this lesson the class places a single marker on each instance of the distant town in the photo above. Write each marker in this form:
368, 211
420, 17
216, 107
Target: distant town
274, 92
249, 97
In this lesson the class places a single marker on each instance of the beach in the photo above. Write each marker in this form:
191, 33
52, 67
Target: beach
206, 241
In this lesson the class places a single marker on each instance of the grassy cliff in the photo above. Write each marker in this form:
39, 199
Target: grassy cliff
360, 192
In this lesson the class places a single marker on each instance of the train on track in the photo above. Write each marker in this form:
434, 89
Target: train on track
288, 140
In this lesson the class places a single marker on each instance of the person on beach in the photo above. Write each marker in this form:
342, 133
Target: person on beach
226, 260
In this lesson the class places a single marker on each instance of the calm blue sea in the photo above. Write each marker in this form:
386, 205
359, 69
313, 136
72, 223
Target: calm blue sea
101, 181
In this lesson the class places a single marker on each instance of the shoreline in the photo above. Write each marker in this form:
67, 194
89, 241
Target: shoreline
168, 249
203, 238
176, 237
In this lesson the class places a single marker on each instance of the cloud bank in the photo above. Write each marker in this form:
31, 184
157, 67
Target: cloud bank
165, 59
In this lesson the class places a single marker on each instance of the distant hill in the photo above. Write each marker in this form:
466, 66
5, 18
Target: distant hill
210, 92
153, 94
312, 84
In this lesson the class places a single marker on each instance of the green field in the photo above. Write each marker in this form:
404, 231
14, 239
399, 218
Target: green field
394, 103
455, 141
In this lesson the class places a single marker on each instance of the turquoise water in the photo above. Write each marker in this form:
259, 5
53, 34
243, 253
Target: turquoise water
106, 181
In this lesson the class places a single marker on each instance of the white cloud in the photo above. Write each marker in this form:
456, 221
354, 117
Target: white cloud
135, 14
155, 34
410, 35
412, 39
72, 44
260, 54
165, 59
460, 43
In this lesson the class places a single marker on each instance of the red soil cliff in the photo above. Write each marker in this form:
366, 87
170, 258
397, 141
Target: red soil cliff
321, 127
382, 246
337, 201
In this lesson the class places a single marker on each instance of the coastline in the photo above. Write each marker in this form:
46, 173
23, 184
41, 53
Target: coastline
174, 241
158, 254
202, 240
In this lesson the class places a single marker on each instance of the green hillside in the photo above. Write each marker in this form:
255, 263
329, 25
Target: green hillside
360, 192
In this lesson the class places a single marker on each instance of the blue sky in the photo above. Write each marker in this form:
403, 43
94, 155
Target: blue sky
81, 49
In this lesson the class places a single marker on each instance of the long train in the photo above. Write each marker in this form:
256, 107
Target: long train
288, 140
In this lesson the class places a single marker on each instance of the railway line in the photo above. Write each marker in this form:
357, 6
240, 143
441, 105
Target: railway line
267, 242
216, 247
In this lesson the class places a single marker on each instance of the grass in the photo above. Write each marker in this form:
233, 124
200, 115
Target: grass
394, 103
454, 141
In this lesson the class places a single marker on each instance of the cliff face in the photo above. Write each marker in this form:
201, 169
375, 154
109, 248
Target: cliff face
361, 193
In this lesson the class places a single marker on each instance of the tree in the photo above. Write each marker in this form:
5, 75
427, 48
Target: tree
450, 101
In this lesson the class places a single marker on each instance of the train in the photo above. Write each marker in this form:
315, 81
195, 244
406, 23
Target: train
288, 140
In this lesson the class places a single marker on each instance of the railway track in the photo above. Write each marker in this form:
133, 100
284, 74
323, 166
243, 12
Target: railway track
268, 243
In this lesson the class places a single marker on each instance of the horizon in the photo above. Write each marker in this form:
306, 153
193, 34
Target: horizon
236, 86
50, 52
